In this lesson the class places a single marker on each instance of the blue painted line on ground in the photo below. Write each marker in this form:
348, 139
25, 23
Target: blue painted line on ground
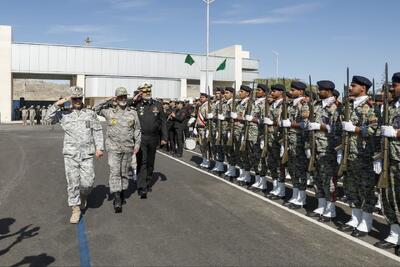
84, 255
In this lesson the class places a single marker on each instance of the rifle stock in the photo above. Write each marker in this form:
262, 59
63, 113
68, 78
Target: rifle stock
285, 141
232, 121
312, 143
264, 152
345, 135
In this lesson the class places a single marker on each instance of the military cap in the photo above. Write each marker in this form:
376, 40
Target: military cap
144, 86
263, 87
120, 91
396, 77
328, 85
278, 87
204, 94
76, 92
298, 85
246, 88
336, 93
230, 89
360, 80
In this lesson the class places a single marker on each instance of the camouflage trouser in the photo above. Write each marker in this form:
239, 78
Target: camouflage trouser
229, 151
31, 121
202, 140
119, 163
237, 141
297, 166
274, 162
24, 120
359, 183
391, 196
325, 176
134, 162
258, 164
80, 178
217, 150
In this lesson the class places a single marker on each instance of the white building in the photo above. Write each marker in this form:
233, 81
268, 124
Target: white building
100, 70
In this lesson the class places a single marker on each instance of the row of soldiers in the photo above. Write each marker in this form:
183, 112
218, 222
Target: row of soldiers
270, 130
34, 115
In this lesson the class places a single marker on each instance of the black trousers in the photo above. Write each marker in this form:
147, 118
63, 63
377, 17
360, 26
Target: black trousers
145, 160
179, 140
172, 139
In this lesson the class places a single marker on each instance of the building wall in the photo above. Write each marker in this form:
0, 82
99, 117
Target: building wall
5, 74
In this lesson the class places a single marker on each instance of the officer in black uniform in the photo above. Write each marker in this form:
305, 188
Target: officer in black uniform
153, 123
171, 128
180, 122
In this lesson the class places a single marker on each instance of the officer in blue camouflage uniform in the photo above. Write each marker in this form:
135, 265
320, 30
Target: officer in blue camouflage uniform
297, 163
83, 140
326, 138
123, 141
390, 196
359, 180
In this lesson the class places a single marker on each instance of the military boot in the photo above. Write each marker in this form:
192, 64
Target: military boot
76, 215
117, 202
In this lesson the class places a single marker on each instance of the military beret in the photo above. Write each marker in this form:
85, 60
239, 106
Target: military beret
230, 89
246, 88
219, 89
336, 93
360, 80
298, 85
76, 92
396, 77
278, 87
328, 85
204, 94
263, 87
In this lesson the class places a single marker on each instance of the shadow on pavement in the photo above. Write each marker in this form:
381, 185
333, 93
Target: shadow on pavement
42, 260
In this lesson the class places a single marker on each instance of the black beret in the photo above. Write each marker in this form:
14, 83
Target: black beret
336, 93
328, 85
204, 94
396, 77
298, 85
230, 89
219, 89
278, 87
361, 81
246, 88
263, 87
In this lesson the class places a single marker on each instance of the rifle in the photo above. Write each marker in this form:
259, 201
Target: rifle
311, 136
232, 122
249, 106
345, 135
209, 121
384, 177
264, 152
285, 141
373, 90
218, 142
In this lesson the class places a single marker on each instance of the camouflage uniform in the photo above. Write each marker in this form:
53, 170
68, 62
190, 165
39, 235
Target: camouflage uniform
217, 150
32, 115
239, 135
24, 114
83, 135
297, 164
256, 134
229, 151
123, 136
359, 180
390, 196
201, 127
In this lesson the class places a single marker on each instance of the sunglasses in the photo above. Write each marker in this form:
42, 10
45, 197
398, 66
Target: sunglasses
146, 91
77, 98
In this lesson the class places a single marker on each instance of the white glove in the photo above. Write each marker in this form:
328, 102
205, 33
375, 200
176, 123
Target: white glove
378, 166
339, 156
388, 131
348, 126
234, 115
308, 153
268, 121
249, 118
286, 123
207, 133
210, 116
221, 117
282, 151
195, 132
262, 144
313, 126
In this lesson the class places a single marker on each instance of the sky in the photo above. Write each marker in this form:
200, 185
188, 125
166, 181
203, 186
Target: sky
312, 37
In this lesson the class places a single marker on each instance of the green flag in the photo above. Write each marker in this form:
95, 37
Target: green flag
189, 60
222, 65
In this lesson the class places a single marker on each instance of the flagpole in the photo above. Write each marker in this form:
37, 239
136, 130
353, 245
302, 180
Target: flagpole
208, 2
